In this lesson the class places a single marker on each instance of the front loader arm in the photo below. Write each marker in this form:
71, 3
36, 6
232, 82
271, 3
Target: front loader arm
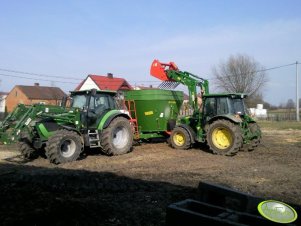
23, 119
169, 72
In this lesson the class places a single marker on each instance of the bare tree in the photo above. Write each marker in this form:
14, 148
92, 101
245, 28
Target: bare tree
240, 74
290, 104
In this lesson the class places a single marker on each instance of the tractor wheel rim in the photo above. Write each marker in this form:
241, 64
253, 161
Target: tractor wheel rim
222, 138
179, 139
68, 148
120, 137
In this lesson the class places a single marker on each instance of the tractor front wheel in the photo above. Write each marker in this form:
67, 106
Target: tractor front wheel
27, 151
252, 144
224, 137
180, 138
64, 146
117, 138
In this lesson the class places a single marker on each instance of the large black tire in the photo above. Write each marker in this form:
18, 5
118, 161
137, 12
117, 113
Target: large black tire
64, 146
117, 138
224, 137
256, 141
180, 138
27, 151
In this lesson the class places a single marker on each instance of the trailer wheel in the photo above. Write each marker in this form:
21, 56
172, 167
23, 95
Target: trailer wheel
224, 137
117, 138
27, 151
180, 138
254, 142
64, 146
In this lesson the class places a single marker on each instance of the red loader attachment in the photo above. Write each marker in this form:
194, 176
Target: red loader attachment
158, 70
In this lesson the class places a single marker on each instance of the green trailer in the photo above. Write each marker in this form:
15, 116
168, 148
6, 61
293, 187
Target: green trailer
154, 112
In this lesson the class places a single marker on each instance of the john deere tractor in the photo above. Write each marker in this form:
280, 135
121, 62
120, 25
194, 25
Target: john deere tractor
220, 120
92, 120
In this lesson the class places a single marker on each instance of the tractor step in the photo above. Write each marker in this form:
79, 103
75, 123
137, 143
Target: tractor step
94, 141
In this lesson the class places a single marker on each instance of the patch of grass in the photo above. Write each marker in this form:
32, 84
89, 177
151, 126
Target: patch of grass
280, 125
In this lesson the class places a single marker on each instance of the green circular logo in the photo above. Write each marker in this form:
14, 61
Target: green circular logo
277, 211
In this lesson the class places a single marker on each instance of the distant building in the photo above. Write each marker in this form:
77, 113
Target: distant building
33, 94
259, 111
3, 96
144, 87
101, 82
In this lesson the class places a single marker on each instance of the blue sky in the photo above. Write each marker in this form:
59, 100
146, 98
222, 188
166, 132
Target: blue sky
77, 38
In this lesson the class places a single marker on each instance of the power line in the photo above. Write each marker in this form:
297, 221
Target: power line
266, 69
72, 78
38, 79
54, 76
277, 67
49, 80
35, 74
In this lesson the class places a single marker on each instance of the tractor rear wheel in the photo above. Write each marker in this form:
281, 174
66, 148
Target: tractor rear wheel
64, 146
224, 137
117, 138
27, 151
180, 138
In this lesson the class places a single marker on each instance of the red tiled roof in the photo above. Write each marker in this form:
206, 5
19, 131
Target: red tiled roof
106, 83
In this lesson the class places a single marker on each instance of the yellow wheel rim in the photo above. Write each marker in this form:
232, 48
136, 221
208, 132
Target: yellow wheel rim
179, 139
222, 138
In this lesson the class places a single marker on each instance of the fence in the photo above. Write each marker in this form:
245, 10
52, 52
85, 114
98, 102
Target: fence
280, 116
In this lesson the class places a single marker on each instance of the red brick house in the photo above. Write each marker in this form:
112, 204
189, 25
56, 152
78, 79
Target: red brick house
33, 94
101, 82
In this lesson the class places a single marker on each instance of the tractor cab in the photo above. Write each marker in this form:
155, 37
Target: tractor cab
93, 104
224, 104
93, 100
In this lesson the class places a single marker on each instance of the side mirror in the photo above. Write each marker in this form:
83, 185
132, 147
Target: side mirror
64, 101
93, 92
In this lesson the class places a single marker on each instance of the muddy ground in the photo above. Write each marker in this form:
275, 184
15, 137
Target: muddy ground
136, 188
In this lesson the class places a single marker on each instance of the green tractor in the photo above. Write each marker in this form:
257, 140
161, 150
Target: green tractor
92, 120
220, 120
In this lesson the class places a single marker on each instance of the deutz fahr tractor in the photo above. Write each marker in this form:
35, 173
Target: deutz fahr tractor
92, 120
220, 120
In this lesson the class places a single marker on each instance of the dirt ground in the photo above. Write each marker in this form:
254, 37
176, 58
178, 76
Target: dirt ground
136, 188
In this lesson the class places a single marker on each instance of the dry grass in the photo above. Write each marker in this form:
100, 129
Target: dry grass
280, 125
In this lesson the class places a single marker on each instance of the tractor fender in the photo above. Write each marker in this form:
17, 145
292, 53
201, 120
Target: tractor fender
48, 127
231, 118
109, 116
46, 132
190, 131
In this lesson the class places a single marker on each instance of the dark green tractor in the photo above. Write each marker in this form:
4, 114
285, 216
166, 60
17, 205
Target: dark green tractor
228, 126
92, 120
220, 120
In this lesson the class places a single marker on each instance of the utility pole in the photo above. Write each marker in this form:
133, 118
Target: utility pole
297, 93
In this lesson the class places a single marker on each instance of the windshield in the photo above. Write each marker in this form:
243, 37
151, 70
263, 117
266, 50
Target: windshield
79, 101
238, 106
102, 102
98, 102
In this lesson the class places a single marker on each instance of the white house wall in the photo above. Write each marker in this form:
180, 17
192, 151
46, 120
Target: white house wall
89, 84
2, 103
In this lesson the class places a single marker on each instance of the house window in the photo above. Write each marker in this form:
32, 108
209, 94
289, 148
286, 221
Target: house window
16, 94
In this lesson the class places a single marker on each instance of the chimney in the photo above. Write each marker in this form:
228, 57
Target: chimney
109, 75
36, 84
